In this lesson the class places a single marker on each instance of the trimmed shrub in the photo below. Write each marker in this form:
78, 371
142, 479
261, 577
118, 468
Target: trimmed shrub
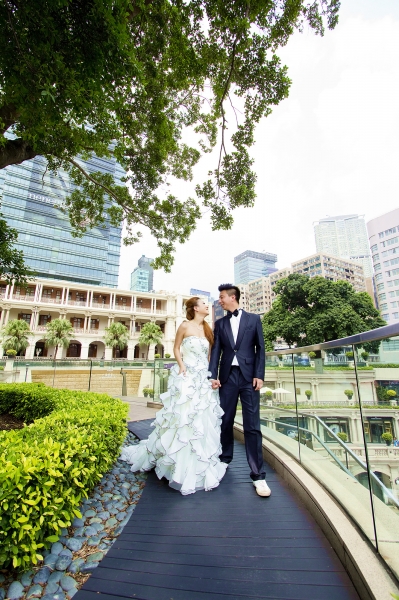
71, 439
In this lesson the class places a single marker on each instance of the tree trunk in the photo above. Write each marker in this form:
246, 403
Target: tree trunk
15, 152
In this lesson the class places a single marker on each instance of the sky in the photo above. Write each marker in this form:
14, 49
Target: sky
330, 148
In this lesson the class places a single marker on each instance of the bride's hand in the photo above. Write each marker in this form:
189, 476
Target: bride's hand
183, 370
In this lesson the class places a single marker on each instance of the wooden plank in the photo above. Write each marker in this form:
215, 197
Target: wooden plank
228, 544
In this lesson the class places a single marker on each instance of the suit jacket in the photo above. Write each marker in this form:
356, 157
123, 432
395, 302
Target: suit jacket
249, 348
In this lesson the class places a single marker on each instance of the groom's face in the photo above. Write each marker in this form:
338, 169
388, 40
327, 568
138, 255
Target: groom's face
226, 301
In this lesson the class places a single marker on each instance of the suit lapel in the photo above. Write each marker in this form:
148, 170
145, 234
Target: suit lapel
229, 333
241, 329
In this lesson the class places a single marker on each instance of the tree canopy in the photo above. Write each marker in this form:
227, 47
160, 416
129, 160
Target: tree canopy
311, 311
138, 79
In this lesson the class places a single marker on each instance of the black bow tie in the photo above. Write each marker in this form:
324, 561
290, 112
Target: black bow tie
230, 314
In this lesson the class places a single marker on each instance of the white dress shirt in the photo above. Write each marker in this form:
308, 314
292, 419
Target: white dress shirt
235, 325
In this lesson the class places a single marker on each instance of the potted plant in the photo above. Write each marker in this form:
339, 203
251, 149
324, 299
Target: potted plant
365, 356
167, 355
280, 360
157, 356
388, 438
145, 392
391, 394
350, 357
349, 394
342, 436
11, 353
308, 394
150, 392
312, 356
269, 397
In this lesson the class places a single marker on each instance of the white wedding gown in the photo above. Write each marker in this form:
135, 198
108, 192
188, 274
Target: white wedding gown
185, 444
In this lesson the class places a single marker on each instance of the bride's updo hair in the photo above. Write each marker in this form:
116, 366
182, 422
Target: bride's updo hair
190, 313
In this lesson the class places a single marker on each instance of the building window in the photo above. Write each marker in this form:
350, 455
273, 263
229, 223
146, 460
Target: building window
25, 317
374, 427
374, 248
382, 297
337, 425
378, 267
380, 287
378, 277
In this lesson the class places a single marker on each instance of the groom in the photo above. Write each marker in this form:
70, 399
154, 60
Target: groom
240, 348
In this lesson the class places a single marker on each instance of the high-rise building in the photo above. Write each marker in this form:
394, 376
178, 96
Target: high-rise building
202, 293
142, 278
384, 242
32, 203
251, 265
344, 236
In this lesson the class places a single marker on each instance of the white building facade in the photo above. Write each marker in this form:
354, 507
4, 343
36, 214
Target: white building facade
344, 236
90, 309
384, 243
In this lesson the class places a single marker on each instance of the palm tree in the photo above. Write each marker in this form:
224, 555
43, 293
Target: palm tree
116, 336
150, 334
15, 335
58, 333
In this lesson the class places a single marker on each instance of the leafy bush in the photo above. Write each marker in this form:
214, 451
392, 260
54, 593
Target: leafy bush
11, 352
385, 365
167, 355
157, 356
46, 468
342, 436
312, 355
387, 437
348, 393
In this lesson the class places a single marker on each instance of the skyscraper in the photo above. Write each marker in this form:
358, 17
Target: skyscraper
344, 236
384, 241
251, 265
32, 203
142, 278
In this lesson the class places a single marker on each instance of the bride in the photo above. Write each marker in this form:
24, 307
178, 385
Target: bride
185, 444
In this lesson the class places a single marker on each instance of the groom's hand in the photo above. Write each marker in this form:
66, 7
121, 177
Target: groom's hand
257, 383
215, 384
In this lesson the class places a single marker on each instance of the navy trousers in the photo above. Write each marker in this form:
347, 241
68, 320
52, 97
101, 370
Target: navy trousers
236, 386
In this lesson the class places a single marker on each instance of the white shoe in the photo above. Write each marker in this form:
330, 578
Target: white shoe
262, 489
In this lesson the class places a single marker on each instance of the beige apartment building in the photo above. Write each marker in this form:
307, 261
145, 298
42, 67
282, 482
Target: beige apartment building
260, 294
90, 309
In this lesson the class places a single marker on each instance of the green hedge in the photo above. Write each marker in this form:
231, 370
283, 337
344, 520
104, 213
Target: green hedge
71, 440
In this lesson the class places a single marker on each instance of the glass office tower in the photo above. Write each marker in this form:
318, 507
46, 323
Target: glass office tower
252, 265
32, 199
142, 278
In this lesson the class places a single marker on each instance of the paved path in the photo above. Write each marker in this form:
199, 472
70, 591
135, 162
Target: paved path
227, 544
138, 409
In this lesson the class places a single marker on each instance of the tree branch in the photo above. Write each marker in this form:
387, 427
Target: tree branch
8, 116
15, 152
90, 178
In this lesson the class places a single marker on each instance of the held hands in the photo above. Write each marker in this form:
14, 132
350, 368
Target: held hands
215, 384
257, 384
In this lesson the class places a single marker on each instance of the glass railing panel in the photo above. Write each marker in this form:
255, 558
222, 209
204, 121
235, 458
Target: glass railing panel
332, 447
114, 377
160, 377
380, 420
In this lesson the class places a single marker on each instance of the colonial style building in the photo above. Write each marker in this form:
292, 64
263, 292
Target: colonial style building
90, 309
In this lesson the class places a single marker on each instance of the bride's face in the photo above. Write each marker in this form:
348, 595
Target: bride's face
202, 308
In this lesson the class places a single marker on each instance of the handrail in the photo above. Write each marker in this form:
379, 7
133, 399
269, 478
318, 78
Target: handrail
359, 338
379, 483
341, 465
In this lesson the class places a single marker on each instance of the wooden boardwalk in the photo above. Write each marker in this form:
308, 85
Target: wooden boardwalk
222, 545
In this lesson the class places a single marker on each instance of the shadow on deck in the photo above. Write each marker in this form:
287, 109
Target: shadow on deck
221, 545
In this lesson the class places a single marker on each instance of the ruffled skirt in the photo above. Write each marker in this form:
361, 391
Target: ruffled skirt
185, 444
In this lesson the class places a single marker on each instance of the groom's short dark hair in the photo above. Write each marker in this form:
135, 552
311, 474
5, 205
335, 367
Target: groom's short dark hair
231, 290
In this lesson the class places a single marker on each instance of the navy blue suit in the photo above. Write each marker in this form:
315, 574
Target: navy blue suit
237, 382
